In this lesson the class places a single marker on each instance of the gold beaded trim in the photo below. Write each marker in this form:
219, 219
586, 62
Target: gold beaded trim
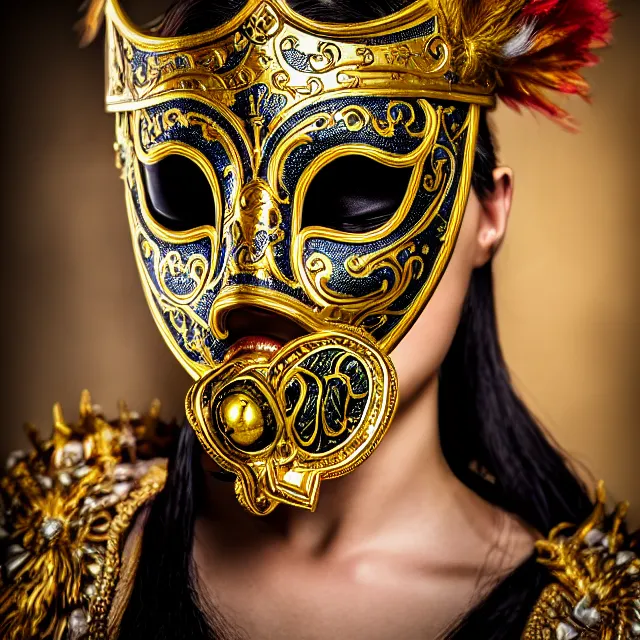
150, 485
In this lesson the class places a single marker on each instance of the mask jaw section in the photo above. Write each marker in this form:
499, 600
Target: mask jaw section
273, 484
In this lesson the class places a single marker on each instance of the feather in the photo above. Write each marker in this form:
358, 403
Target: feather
525, 48
567, 32
522, 42
90, 23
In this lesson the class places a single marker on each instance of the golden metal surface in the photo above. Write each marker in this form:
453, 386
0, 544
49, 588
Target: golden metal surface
596, 593
241, 418
148, 486
68, 505
256, 210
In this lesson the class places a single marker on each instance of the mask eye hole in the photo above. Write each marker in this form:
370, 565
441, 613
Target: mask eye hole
354, 194
178, 193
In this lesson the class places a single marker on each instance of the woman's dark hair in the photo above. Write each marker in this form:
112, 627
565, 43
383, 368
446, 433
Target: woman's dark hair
490, 440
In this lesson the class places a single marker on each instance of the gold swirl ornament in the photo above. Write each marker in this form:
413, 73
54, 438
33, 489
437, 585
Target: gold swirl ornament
314, 410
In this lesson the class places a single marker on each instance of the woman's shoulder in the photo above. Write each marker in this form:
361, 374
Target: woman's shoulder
594, 572
68, 506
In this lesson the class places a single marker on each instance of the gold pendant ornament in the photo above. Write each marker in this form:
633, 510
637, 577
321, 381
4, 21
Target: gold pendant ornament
315, 410
259, 106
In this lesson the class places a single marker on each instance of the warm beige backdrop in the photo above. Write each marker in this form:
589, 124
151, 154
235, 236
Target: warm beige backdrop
567, 277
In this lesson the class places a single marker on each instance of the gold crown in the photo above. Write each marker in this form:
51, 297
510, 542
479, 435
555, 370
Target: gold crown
404, 54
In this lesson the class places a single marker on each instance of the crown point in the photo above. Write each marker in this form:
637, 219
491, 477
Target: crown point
86, 406
124, 413
154, 409
58, 416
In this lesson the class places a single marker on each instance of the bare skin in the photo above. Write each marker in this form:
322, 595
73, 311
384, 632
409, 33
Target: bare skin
397, 549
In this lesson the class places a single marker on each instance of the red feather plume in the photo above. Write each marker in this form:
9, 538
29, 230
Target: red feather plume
564, 34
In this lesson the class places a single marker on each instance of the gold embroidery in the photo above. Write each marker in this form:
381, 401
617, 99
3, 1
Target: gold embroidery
150, 484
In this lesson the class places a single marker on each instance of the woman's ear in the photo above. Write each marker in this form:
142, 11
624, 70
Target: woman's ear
494, 214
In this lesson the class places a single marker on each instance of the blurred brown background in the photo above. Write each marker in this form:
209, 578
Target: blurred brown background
74, 315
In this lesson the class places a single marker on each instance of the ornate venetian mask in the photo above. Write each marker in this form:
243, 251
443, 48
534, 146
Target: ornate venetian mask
261, 108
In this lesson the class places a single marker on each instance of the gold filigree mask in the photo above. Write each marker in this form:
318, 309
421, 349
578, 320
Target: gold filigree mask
261, 105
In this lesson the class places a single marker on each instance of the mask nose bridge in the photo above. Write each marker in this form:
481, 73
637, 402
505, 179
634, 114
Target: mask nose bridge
252, 231
254, 210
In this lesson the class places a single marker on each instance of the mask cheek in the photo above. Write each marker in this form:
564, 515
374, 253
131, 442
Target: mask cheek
176, 268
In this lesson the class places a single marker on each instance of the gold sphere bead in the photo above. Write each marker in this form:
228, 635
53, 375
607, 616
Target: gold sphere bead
241, 418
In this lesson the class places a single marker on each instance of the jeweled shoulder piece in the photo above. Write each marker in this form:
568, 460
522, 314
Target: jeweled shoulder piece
68, 505
596, 592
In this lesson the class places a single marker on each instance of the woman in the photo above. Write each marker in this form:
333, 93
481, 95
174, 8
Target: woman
434, 536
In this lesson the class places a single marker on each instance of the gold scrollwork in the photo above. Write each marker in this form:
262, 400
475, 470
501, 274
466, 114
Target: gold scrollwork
172, 311
195, 270
399, 112
298, 136
116, 80
328, 57
354, 117
282, 471
146, 76
433, 181
153, 126
343, 307
254, 232
415, 66
322, 398
213, 58
366, 56
429, 59
176, 307
282, 81
262, 25
191, 329
211, 130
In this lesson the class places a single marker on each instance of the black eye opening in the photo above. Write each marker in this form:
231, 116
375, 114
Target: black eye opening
354, 194
178, 193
